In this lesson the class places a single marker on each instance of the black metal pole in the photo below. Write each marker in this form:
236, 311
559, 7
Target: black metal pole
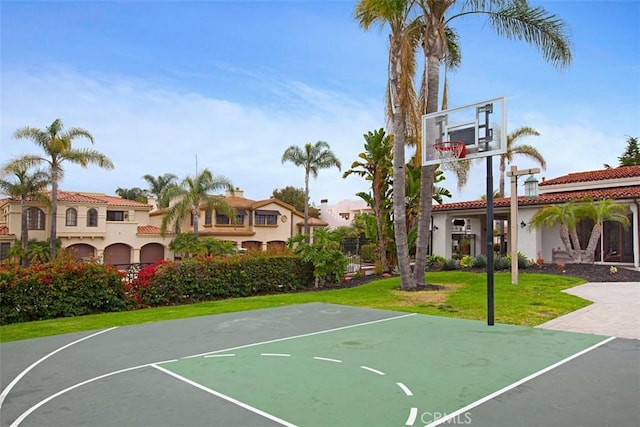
490, 314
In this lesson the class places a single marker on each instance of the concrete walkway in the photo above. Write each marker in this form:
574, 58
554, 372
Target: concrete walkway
615, 310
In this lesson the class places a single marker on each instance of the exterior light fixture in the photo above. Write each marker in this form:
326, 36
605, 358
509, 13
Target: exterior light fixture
531, 187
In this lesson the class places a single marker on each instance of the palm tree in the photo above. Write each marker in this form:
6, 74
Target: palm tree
565, 216
401, 103
526, 150
193, 193
135, 193
312, 158
598, 212
158, 187
376, 166
57, 146
26, 186
513, 19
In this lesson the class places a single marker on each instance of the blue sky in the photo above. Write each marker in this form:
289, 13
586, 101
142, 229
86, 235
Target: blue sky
237, 82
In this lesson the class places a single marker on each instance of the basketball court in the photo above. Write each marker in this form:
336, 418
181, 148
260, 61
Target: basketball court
320, 365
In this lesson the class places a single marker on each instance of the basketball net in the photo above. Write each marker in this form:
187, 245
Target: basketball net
449, 154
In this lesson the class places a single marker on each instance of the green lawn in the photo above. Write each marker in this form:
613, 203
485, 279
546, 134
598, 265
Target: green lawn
536, 299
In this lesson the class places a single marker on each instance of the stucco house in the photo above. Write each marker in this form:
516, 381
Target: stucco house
343, 212
453, 223
120, 231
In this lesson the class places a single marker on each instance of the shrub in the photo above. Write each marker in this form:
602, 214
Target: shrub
450, 264
205, 279
45, 291
368, 253
502, 263
435, 262
523, 261
466, 261
480, 261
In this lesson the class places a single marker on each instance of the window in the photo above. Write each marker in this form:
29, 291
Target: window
35, 219
71, 217
4, 250
208, 214
92, 218
116, 216
222, 219
344, 215
267, 217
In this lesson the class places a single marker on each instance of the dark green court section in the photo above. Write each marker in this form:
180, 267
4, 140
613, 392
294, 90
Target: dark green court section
445, 364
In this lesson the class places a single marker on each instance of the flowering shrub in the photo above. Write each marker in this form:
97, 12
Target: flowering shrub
205, 279
58, 289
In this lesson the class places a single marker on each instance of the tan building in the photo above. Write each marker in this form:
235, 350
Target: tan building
119, 231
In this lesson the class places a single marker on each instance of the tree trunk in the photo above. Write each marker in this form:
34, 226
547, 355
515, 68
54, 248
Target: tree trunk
382, 246
54, 212
194, 217
307, 237
24, 232
590, 252
399, 173
426, 177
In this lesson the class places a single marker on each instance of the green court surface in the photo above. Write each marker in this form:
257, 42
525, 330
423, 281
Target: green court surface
319, 365
384, 373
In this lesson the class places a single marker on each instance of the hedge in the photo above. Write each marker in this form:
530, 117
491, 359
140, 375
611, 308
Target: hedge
45, 291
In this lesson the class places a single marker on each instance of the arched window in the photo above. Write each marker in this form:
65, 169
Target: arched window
35, 219
71, 217
92, 218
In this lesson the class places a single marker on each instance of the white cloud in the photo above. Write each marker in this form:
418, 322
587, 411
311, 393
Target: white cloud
145, 128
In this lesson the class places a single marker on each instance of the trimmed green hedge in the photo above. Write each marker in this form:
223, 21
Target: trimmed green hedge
45, 291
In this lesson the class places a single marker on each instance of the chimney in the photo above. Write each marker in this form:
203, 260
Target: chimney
237, 192
151, 200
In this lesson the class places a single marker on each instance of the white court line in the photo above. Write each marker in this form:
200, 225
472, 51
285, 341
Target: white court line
326, 359
375, 371
275, 354
516, 384
225, 397
301, 335
221, 355
12, 384
405, 389
29, 411
413, 414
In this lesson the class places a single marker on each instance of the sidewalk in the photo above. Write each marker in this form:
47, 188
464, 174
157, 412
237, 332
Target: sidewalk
615, 310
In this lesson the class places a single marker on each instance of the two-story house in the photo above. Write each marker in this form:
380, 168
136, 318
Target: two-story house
119, 231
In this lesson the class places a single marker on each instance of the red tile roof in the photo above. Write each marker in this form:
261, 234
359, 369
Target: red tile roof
595, 175
150, 229
619, 193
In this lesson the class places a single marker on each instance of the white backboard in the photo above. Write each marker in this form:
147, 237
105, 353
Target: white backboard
482, 127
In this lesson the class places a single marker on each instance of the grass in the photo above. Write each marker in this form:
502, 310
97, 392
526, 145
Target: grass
536, 299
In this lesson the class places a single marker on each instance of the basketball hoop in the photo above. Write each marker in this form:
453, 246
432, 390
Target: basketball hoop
449, 152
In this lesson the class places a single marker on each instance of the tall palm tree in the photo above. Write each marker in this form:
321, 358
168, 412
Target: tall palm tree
376, 166
57, 146
312, 157
513, 19
523, 149
194, 195
25, 186
404, 35
158, 187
